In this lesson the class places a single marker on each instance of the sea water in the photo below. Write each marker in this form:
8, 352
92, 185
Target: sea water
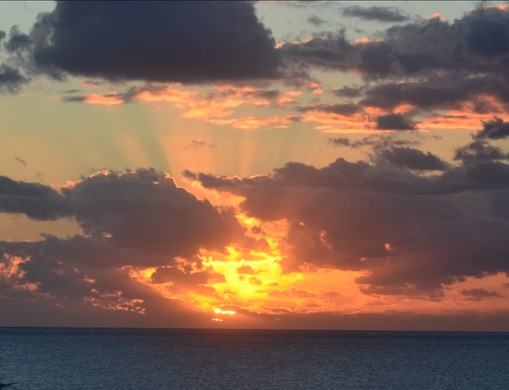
67, 359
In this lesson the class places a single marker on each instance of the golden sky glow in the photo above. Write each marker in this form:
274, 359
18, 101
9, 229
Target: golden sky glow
350, 169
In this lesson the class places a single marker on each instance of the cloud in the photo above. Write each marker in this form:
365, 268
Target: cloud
381, 14
165, 42
35, 200
345, 109
434, 70
495, 128
479, 150
377, 142
349, 91
477, 294
342, 141
22, 162
412, 159
394, 122
142, 210
11, 79
475, 44
315, 21
410, 234
133, 223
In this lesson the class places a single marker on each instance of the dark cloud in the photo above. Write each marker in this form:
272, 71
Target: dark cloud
186, 278
131, 220
145, 209
315, 21
487, 32
477, 294
326, 51
349, 91
11, 79
17, 40
339, 141
85, 279
412, 159
382, 14
412, 234
35, 200
495, 128
436, 92
164, 41
377, 142
474, 45
394, 122
345, 109
142, 210
479, 150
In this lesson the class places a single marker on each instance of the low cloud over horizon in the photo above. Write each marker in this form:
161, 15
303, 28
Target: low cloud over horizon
409, 234
345, 166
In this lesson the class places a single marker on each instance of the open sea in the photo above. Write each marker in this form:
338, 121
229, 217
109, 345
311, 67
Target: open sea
75, 358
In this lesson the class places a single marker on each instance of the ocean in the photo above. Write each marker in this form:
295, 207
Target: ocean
76, 358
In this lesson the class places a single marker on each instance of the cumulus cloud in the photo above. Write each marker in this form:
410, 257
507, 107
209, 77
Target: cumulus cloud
131, 221
480, 149
476, 42
133, 41
412, 159
428, 64
11, 79
495, 128
35, 200
411, 234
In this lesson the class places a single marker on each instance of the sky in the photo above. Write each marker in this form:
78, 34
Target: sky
279, 165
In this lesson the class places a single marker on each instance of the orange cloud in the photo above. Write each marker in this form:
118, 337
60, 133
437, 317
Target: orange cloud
111, 99
255, 123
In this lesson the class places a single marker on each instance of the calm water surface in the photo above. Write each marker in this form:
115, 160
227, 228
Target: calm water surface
67, 359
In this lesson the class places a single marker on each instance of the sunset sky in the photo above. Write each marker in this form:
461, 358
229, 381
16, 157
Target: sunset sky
309, 165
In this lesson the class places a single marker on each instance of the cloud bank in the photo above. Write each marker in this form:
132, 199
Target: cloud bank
412, 234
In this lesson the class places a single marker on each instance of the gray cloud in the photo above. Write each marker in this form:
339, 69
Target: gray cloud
315, 21
413, 234
377, 142
130, 220
342, 141
140, 210
479, 150
394, 122
412, 159
495, 128
346, 109
349, 91
177, 41
382, 14
35, 200
477, 294
11, 79
474, 45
